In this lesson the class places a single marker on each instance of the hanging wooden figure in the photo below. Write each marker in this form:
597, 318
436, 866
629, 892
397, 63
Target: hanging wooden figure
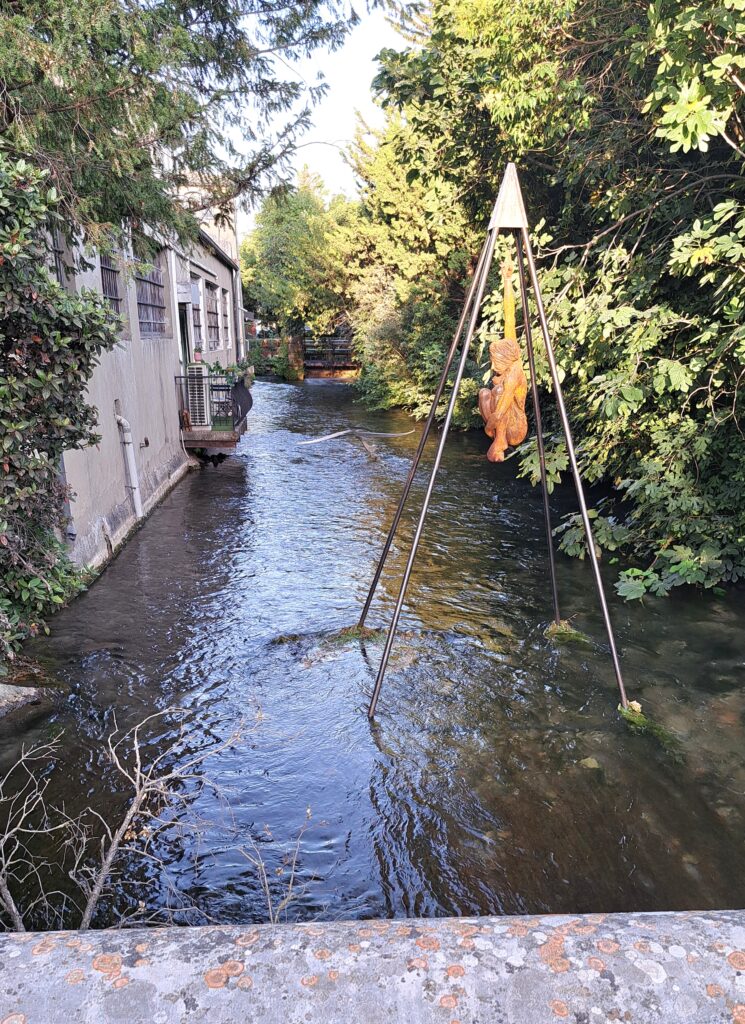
502, 406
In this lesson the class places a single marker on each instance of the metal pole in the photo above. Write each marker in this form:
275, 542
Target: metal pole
489, 255
573, 462
538, 427
423, 439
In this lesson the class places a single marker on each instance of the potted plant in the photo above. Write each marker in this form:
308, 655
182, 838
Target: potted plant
197, 353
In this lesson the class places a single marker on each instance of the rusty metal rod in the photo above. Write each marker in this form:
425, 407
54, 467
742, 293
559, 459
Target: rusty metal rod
423, 439
573, 463
479, 297
538, 427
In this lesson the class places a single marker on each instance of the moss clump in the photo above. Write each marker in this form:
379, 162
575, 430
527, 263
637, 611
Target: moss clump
564, 633
285, 638
642, 725
356, 632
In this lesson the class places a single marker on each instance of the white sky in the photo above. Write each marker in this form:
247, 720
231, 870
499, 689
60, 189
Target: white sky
349, 73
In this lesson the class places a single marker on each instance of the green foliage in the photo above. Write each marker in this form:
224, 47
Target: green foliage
50, 342
627, 124
696, 93
408, 260
279, 364
130, 104
290, 266
234, 372
641, 725
256, 358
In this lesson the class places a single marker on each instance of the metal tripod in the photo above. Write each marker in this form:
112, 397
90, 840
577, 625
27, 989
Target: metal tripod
508, 215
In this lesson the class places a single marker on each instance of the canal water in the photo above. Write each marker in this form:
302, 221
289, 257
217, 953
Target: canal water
498, 778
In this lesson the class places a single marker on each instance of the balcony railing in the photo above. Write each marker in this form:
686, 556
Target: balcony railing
212, 406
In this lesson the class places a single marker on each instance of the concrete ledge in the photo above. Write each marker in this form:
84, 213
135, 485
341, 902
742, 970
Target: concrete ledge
539, 970
13, 697
27, 686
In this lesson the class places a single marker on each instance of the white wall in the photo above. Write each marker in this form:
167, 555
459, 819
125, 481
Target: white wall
137, 380
202, 263
138, 375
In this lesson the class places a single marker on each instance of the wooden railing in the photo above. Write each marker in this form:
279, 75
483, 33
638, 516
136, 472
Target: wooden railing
328, 353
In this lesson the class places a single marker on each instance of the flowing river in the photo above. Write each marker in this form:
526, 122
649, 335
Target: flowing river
498, 777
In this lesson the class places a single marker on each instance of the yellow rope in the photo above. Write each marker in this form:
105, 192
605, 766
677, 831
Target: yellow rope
508, 302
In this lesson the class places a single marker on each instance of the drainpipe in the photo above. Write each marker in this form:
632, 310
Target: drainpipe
129, 455
70, 532
238, 316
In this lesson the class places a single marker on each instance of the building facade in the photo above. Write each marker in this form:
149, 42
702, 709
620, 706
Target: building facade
208, 296
187, 301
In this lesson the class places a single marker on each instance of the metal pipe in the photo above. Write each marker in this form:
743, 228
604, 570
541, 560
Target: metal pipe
538, 428
481, 287
423, 439
129, 456
573, 463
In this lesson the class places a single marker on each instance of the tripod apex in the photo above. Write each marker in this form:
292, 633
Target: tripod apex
509, 209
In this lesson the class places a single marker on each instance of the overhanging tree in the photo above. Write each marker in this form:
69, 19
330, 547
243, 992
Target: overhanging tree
126, 102
628, 122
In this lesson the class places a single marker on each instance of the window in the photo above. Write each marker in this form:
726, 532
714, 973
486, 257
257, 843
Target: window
196, 319
196, 312
213, 315
151, 300
225, 319
110, 283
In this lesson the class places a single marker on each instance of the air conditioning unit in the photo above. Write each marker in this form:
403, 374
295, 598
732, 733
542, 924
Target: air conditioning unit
198, 394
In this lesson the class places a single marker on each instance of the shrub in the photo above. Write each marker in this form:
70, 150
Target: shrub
50, 342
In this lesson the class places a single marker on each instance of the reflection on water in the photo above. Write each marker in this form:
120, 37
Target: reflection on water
498, 777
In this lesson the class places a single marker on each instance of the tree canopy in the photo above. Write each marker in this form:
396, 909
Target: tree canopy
142, 110
291, 263
627, 123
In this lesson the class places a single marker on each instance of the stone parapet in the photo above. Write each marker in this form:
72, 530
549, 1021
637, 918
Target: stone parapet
588, 969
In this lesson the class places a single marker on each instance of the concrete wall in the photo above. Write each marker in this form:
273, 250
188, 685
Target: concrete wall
584, 969
137, 380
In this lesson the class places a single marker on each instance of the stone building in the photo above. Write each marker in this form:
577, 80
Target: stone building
186, 301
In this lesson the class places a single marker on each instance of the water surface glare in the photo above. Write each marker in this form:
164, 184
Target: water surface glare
498, 777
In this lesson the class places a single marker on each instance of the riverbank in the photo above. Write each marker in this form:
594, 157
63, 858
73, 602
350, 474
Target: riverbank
643, 968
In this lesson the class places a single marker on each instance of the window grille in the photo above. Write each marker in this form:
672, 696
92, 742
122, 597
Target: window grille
110, 283
151, 300
225, 318
213, 315
196, 319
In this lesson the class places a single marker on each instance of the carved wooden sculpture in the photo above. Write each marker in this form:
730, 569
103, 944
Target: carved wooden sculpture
503, 405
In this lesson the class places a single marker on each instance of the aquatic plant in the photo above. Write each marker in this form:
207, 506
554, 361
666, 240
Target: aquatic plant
642, 725
564, 633
356, 632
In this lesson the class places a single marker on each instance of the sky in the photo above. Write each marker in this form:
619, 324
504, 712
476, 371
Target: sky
349, 73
